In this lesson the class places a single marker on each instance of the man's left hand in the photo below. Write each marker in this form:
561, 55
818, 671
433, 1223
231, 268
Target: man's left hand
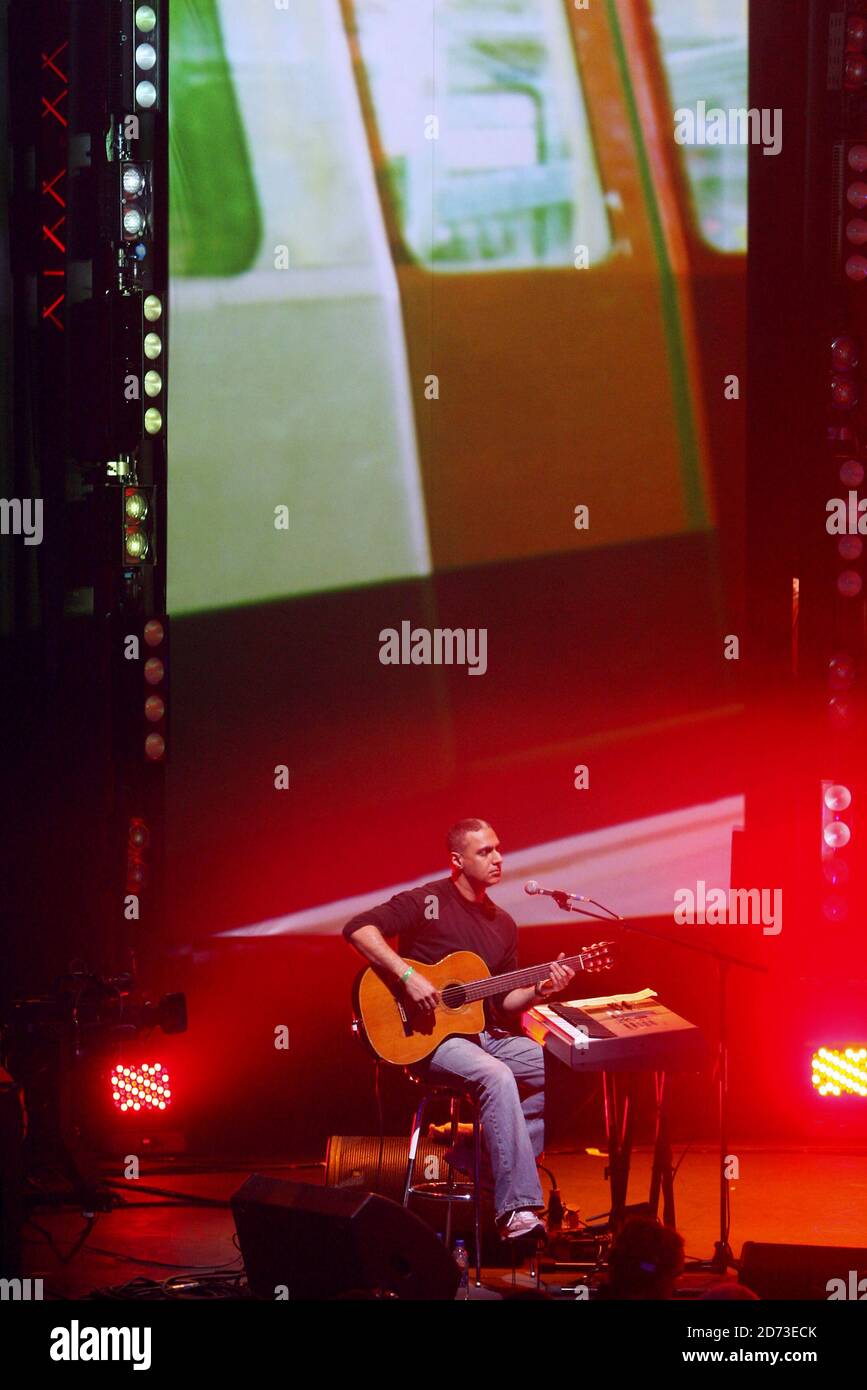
557, 981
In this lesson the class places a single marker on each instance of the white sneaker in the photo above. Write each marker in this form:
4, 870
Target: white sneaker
521, 1223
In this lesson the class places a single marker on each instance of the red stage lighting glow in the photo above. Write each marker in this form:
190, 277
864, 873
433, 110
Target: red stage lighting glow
145, 1086
838, 1071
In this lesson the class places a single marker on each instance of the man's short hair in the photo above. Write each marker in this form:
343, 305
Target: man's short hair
456, 837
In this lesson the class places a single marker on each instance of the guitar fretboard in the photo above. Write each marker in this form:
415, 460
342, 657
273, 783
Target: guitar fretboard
454, 995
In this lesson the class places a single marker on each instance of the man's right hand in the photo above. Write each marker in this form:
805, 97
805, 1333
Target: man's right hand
421, 992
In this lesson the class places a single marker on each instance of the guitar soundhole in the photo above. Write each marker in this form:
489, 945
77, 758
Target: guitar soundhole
457, 995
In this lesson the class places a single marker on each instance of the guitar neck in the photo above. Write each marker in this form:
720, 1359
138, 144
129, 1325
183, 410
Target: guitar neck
515, 979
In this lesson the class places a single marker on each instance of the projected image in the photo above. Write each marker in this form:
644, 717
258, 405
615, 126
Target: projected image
410, 245
704, 49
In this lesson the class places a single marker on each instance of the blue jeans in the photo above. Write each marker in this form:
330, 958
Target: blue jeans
506, 1075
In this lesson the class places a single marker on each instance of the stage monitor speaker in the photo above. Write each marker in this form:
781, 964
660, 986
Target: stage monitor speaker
802, 1271
321, 1242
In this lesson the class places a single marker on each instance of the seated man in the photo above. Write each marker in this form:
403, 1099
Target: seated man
503, 1070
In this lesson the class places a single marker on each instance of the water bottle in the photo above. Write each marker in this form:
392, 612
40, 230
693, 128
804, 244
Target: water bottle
462, 1260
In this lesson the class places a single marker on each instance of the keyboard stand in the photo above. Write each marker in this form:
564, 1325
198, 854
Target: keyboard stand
619, 1104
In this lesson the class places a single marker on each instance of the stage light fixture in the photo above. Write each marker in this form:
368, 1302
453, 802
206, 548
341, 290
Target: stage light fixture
153, 420
844, 352
146, 19
857, 158
134, 221
154, 670
155, 708
154, 632
136, 545
146, 94
856, 32
841, 671
146, 56
835, 909
153, 346
856, 268
155, 747
836, 834
850, 547
856, 231
856, 195
844, 392
836, 872
852, 473
135, 505
849, 583
133, 180
152, 308
139, 835
145, 1086
837, 1071
837, 797
841, 712
854, 71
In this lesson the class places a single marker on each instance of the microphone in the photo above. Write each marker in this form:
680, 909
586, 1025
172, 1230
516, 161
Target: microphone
532, 887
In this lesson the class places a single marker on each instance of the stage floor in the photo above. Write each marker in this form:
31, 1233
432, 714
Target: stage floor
809, 1196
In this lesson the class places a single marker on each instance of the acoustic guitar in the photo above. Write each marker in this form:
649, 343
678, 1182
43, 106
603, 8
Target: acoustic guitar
398, 1032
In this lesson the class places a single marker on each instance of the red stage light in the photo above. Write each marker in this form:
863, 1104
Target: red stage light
854, 71
136, 875
155, 708
856, 194
852, 473
844, 392
155, 747
840, 1071
841, 712
856, 231
139, 835
856, 32
154, 670
856, 268
850, 547
858, 158
134, 1087
849, 583
154, 632
841, 671
844, 350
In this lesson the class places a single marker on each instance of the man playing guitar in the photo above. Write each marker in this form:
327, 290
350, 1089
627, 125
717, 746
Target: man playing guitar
503, 1070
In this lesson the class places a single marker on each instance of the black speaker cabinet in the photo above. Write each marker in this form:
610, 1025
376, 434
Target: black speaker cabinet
802, 1271
321, 1242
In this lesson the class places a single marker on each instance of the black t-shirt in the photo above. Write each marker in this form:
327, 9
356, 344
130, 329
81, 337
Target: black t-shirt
435, 919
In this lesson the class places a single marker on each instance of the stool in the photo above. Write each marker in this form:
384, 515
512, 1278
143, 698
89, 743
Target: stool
449, 1191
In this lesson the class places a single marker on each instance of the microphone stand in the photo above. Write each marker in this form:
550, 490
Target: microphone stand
722, 1258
